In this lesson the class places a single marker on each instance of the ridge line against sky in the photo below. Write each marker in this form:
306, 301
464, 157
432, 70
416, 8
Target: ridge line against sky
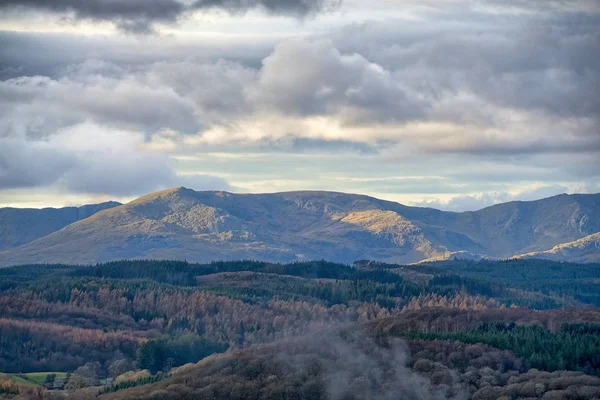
515, 199
452, 104
132, 199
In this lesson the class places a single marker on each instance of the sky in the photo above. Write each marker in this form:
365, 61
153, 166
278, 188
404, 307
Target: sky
453, 104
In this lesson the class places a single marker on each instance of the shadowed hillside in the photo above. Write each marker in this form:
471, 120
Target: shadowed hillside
21, 226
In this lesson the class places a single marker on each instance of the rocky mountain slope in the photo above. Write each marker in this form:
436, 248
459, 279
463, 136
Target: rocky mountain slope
205, 226
19, 226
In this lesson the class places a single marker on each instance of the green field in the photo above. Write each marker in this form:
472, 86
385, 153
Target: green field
19, 380
32, 379
39, 377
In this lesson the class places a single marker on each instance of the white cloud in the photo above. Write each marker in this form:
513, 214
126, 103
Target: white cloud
478, 201
87, 158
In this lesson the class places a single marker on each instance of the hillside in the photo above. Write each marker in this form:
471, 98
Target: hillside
354, 367
203, 226
312, 330
20, 226
523, 226
586, 249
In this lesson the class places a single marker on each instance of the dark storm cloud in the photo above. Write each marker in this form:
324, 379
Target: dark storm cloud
138, 16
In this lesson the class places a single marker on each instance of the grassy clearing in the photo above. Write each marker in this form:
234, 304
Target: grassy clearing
24, 382
39, 377
19, 380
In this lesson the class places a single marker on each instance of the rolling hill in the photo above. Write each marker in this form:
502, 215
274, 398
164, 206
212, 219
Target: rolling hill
204, 226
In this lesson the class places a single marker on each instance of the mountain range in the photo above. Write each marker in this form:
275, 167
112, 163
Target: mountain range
213, 225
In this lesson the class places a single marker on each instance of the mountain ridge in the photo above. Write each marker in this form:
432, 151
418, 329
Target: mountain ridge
181, 223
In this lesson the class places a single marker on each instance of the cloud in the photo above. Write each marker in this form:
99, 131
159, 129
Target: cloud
86, 158
26, 164
218, 89
43, 54
139, 16
305, 90
303, 77
466, 81
489, 95
410, 95
298, 8
465, 203
189, 97
38, 106
530, 61
131, 15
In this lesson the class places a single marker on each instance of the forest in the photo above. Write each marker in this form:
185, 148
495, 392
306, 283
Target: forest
245, 329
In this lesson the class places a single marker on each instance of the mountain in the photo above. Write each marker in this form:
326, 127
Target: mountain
205, 226
19, 226
586, 249
524, 226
